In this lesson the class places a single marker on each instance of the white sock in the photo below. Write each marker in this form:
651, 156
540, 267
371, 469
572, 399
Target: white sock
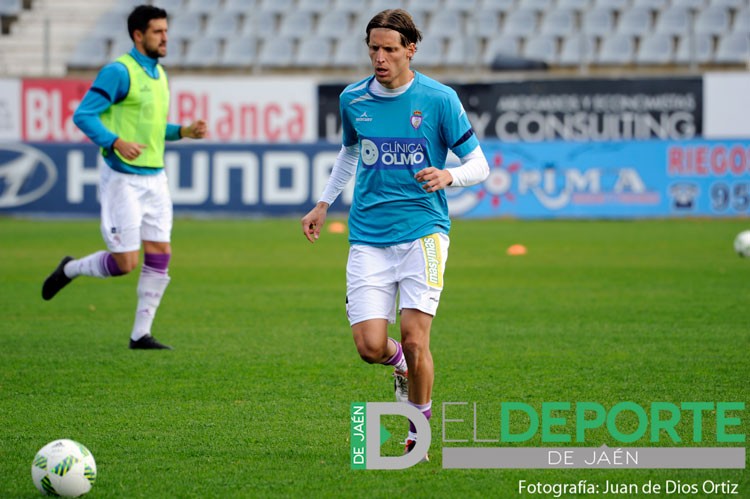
92, 265
151, 286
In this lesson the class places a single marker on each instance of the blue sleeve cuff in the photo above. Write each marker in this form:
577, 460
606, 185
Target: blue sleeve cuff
173, 132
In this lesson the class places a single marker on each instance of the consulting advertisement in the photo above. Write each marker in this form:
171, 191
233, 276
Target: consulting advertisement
546, 180
591, 110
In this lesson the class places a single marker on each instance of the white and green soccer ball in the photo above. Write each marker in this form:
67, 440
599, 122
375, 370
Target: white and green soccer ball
742, 244
63, 468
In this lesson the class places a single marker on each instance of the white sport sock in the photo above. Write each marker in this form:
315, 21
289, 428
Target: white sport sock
92, 265
151, 286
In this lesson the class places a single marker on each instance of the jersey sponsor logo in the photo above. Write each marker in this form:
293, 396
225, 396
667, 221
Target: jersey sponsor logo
364, 117
433, 261
26, 174
388, 153
416, 119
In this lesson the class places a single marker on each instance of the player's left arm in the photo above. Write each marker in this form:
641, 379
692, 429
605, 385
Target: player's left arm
473, 169
458, 132
196, 130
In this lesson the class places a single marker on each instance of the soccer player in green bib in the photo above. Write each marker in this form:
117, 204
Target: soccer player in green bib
398, 126
125, 114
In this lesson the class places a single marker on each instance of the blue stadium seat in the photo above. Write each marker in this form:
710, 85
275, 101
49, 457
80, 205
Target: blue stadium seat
598, 21
239, 52
508, 45
655, 49
713, 20
741, 23
121, 45
202, 53
445, 24
558, 22
635, 21
618, 5
428, 5
577, 50
89, 53
463, 52
126, 6
110, 25
521, 22
692, 4
203, 6
314, 52
351, 55
733, 48
651, 4
173, 7
616, 50
465, 6
260, 23
541, 48
277, 52
314, 6
578, 5
297, 24
175, 54
430, 53
350, 6
240, 7
732, 4
484, 23
185, 26
538, 5
277, 6
702, 45
335, 24
502, 6
675, 20
222, 25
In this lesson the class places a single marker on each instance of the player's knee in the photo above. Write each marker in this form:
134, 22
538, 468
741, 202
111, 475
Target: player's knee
368, 355
413, 347
371, 354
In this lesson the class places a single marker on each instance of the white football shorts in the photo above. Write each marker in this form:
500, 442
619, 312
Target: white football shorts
412, 271
134, 208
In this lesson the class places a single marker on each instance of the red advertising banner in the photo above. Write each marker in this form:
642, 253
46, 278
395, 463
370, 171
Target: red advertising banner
47, 107
257, 110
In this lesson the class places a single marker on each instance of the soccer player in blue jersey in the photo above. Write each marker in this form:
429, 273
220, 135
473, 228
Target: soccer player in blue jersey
398, 126
125, 114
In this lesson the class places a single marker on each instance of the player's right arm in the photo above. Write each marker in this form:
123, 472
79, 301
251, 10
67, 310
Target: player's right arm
343, 169
110, 87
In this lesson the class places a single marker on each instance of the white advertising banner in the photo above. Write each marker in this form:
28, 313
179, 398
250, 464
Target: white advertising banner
10, 109
249, 110
726, 105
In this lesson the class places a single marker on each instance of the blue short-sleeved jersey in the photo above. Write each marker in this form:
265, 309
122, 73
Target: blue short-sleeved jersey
398, 136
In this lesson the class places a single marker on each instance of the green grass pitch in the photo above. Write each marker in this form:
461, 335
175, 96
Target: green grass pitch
254, 400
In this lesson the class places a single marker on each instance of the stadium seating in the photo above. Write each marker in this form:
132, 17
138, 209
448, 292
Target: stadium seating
674, 20
458, 34
654, 49
11, 7
698, 49
577, 50
598, 21
239, 52
90, 53
617, 50
558, 22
